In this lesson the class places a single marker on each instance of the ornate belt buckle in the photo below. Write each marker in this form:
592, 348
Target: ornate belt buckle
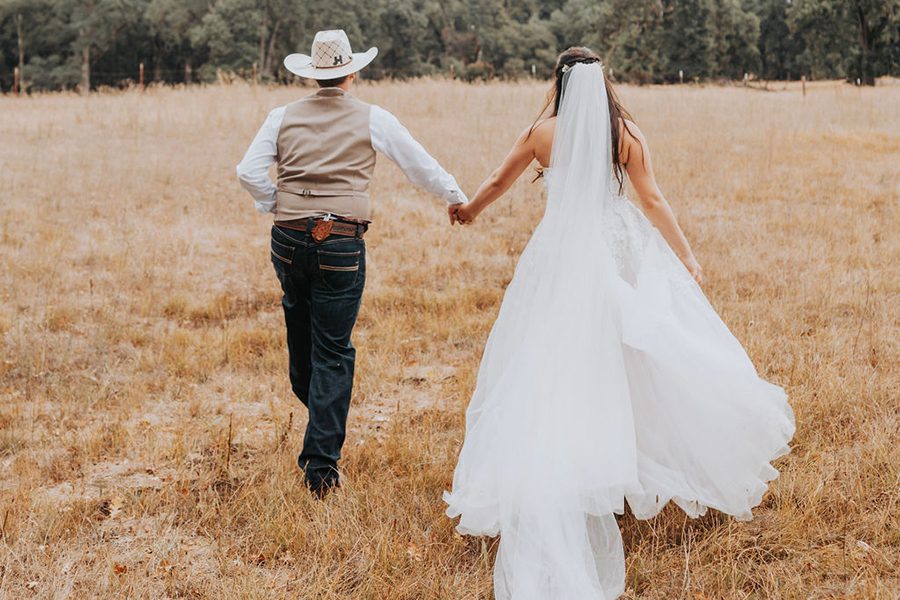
322, 229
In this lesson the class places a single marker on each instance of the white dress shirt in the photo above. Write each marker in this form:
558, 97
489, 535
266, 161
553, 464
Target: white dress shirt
389, 137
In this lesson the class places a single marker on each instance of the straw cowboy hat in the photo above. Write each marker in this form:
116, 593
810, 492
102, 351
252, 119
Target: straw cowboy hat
331, 57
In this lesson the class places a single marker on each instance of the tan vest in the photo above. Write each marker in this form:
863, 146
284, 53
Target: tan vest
325, 157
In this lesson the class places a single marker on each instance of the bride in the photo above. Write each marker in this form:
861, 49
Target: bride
608, 376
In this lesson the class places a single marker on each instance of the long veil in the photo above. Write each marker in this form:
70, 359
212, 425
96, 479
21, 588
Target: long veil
581, 158
559, 537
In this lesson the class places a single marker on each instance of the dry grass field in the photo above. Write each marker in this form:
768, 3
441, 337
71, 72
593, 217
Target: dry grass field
148, 435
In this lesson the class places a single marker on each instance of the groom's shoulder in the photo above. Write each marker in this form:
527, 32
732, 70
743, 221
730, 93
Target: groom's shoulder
381, 114
276, 115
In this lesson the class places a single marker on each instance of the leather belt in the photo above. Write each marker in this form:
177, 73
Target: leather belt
321, 228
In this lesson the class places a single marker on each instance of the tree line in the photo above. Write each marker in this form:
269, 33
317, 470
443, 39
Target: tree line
66, 44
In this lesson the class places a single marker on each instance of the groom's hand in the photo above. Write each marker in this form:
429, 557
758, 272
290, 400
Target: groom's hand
453, 211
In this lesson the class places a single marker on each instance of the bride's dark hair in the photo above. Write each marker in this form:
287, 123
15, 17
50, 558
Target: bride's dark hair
617, 113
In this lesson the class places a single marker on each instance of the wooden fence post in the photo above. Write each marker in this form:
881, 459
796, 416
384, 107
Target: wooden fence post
20, 43
141, 76
16, 80
803, 84
255, 74
681, 76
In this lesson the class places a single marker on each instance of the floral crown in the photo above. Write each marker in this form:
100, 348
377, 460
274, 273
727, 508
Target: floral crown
584, 61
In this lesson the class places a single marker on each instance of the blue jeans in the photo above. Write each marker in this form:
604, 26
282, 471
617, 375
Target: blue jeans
322, 285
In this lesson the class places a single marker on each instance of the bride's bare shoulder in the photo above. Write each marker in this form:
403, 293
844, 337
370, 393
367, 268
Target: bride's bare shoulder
539, 129
631, 139
629, 131
539, 138
545, 125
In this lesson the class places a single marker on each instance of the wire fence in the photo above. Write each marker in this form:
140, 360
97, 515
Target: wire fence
19, 84
141, 75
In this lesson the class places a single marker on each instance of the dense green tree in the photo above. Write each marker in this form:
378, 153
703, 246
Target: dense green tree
170, 23
63, 43
735, 35
229, 35
399, 36
97, 25
45, 41
779, 47
576, 23
629, 36
687, 40
858, 39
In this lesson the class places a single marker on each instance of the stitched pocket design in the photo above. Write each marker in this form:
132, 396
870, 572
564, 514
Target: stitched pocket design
339, 270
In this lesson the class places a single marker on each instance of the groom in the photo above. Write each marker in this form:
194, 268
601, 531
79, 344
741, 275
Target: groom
324, 146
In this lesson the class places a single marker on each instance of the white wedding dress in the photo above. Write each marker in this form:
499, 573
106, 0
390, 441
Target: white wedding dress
607, 376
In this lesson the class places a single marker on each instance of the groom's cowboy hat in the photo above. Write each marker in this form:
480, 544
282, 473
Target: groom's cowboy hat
331, 57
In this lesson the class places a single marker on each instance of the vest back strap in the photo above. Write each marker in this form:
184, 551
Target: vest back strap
298, 191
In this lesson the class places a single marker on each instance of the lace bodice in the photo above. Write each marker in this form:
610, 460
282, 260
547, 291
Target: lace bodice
627, 232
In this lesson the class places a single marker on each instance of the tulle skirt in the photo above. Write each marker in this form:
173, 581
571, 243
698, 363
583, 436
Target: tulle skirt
607, 377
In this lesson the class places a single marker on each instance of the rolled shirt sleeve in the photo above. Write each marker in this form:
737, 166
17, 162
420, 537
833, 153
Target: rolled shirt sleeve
253, 170
392, 139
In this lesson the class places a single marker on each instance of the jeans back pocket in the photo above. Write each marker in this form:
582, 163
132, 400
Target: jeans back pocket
281, 252
339, 270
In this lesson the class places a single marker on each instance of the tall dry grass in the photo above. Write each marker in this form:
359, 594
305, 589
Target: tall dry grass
147, 430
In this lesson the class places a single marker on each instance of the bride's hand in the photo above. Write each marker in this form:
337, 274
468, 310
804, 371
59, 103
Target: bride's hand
694, 268
466, 213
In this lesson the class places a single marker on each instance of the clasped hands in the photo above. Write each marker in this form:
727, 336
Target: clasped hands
464, 214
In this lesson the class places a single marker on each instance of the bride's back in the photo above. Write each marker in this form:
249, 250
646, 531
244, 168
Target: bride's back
542, 140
